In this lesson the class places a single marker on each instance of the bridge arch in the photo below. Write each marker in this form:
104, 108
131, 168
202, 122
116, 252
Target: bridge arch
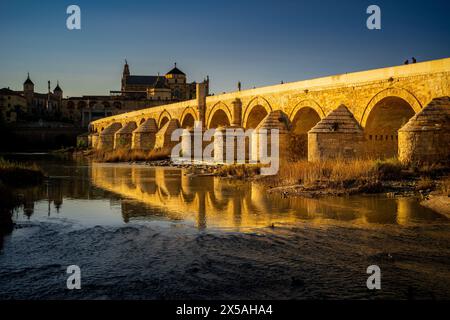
219, 115
386, 113
390, 92
188, 117
257, 109
164, 117
305, 115
307, 103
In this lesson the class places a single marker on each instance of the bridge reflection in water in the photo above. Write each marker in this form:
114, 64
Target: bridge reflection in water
210, 201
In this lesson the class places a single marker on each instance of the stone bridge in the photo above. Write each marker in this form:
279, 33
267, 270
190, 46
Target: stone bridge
370, 106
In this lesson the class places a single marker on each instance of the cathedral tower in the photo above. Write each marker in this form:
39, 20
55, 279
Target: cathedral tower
28, 90
58, 91
125, 75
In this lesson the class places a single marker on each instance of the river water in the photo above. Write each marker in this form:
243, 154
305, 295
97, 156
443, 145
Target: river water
138, 232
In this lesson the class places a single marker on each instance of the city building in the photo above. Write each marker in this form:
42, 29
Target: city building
136, 92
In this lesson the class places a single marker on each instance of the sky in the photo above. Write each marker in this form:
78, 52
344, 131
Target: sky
256, 42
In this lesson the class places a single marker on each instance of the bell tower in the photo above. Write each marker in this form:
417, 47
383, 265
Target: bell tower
28, 90
125, 74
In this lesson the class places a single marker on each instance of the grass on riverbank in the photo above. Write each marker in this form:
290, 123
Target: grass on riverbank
354, 176
16, 174
444, 186
127, 156
338, 173
238, 171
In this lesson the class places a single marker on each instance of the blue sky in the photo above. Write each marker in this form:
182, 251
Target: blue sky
255, 42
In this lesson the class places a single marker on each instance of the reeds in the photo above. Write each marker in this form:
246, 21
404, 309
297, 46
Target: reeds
122, 155
336, 173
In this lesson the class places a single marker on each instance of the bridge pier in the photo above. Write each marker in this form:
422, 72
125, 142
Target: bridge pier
191, 139
106, 137
426, 136
144, 136
237, 113
229, 142
163, 136
93, 140
262, 136
338, 135
122, 138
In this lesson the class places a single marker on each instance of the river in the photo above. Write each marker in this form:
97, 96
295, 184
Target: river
139, 232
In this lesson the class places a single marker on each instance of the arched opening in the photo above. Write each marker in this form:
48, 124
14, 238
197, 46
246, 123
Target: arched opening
219, 119
256, 115
188, 121
382, 125
164, 120
303, 121
142, 121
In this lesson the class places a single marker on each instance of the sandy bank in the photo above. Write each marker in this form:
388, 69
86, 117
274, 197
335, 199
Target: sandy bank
438, 203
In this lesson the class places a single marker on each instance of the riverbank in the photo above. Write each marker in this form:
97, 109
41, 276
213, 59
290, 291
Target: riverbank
123, 155
439, 200
14, 178
15, 174
430, 184
339, 177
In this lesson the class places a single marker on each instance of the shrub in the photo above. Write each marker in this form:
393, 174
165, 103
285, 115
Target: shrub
389, 169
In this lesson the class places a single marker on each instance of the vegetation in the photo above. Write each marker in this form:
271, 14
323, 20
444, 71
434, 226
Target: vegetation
444, 186
239, 171
13, 176
345, 176
16, 174
122, 155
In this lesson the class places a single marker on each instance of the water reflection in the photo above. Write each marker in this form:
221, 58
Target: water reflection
104, 193
214, 202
